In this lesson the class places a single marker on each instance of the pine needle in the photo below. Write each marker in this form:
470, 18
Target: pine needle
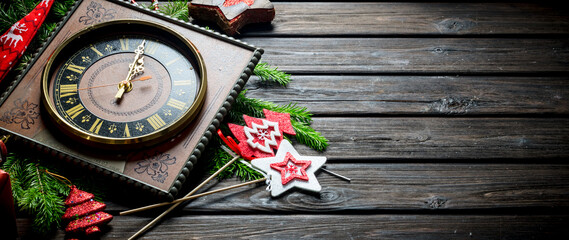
176, 9
300, 118
36, 192
266, 73
219, 158
254, 108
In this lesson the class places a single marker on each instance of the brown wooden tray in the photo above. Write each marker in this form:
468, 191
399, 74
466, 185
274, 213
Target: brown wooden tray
229, 64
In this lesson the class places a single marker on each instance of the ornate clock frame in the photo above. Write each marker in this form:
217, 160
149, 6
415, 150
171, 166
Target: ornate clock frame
161, 169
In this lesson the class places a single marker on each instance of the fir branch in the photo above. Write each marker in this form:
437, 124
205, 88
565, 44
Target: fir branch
308, 136
176, 9
9, 14
268, 74
254, 108
61, 8
300, 118
242, 171
36, 192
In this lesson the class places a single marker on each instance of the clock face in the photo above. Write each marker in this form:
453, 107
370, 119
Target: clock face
124, 84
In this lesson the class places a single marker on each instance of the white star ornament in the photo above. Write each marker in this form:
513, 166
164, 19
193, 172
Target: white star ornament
288, 169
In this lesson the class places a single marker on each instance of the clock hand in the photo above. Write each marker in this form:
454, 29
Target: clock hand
114, 84
137, 66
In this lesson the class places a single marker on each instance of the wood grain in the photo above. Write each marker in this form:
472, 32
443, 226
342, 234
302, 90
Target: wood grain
325, 226
450, 118
440, 56
333, 95
459, 138
405, 18
376, 188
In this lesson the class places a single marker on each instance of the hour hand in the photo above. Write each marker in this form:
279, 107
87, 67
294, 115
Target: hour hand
124, 86
135, 68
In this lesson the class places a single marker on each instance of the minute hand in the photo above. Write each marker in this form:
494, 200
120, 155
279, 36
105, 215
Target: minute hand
137, 66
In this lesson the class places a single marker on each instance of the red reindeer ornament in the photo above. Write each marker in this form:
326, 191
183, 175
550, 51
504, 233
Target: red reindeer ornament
15, 41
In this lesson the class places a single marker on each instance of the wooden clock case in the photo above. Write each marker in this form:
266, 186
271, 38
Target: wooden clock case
161, 169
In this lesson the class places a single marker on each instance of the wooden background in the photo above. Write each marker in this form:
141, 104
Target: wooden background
450, 118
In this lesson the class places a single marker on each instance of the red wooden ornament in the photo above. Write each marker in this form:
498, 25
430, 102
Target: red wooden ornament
232, 15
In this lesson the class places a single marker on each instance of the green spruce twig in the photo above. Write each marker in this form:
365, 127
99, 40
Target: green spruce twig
299, 116
176, 9
219, 158
36, 192
266, 73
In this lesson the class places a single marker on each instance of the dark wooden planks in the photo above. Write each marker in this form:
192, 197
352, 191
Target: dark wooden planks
402, 187
441, 56
387, 81
405, 18
409, 187
424, 95
457, 138
323, 226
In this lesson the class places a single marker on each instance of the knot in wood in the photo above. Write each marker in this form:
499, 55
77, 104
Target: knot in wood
453, 105
438, 50
454, 25
436, 202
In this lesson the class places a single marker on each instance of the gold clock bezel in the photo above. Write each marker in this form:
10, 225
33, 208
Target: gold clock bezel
132, 142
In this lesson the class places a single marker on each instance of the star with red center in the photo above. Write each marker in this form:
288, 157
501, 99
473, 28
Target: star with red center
287, 165
290, 169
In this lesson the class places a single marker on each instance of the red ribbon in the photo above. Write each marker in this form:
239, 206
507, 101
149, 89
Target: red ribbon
232, 144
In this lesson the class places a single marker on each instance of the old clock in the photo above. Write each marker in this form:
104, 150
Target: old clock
126, 93
124, 84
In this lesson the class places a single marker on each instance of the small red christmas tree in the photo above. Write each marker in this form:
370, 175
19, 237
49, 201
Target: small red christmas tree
83, 213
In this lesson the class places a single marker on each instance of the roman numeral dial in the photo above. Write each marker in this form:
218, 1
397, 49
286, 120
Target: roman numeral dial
163, 71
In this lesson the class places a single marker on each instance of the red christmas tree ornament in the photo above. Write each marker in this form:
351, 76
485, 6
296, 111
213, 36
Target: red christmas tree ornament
232, 15
83, 209
14, 42
89, 224
77, 196
84, 214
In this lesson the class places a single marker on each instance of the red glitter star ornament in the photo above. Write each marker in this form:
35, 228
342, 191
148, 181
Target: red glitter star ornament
229, 3
232, 15
291, 168
288, 169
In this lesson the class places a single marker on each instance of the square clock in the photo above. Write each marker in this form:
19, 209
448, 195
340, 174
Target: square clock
128, 93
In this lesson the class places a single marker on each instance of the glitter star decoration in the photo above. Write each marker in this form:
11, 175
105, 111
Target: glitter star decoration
291, 169
288, 169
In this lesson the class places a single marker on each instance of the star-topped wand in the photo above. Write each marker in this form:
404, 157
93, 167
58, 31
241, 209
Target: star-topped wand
283, 171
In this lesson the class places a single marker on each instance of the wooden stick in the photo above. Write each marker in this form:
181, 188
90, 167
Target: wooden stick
187, 195
190, 197
337, 175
